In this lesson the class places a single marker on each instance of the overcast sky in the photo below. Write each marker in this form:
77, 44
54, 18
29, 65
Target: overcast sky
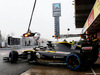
15, 16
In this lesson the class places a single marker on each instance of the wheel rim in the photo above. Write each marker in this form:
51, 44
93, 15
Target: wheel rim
73, 62
29, 56
10, 57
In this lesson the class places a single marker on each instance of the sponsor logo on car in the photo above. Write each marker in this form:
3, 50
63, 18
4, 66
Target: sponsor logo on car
63, 52
87, 48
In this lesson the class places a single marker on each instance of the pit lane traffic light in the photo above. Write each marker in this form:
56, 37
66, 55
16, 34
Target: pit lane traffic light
29, 34
25, 35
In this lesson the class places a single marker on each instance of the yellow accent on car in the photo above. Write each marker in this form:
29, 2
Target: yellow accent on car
27, 50
94, 40
78, 46
26, 74
50, 51
67, 43
64, 42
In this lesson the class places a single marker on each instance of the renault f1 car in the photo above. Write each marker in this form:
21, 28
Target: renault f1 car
60, 52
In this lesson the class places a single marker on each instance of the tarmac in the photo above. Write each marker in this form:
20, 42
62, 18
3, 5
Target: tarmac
38, 69
43, 69
62, 70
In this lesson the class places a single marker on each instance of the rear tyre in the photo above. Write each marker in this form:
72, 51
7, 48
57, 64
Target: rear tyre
73, 61
13, 56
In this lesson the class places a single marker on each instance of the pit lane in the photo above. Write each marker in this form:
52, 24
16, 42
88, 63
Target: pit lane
7, 68
62, 70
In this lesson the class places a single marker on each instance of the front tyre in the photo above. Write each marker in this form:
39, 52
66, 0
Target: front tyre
13, 56
73, 61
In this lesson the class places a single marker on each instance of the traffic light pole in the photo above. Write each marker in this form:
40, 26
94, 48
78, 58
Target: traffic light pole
31, 16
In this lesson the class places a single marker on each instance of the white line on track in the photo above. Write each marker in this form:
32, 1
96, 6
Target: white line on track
94, 73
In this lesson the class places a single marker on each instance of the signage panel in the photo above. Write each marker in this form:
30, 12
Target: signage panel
91, 18
56, 9
93, 15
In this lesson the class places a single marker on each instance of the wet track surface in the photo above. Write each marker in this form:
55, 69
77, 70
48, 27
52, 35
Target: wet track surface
7, 68
62, 70
13, 69
23, 68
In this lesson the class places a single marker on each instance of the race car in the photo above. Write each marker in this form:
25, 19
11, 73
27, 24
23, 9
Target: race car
59, 52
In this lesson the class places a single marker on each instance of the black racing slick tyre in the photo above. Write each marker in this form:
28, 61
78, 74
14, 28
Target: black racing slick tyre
74, 61
13, 56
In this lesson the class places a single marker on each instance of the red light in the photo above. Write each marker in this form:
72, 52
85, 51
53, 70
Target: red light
26, 35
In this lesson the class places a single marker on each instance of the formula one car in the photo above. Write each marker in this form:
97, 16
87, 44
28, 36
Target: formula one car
61, 52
